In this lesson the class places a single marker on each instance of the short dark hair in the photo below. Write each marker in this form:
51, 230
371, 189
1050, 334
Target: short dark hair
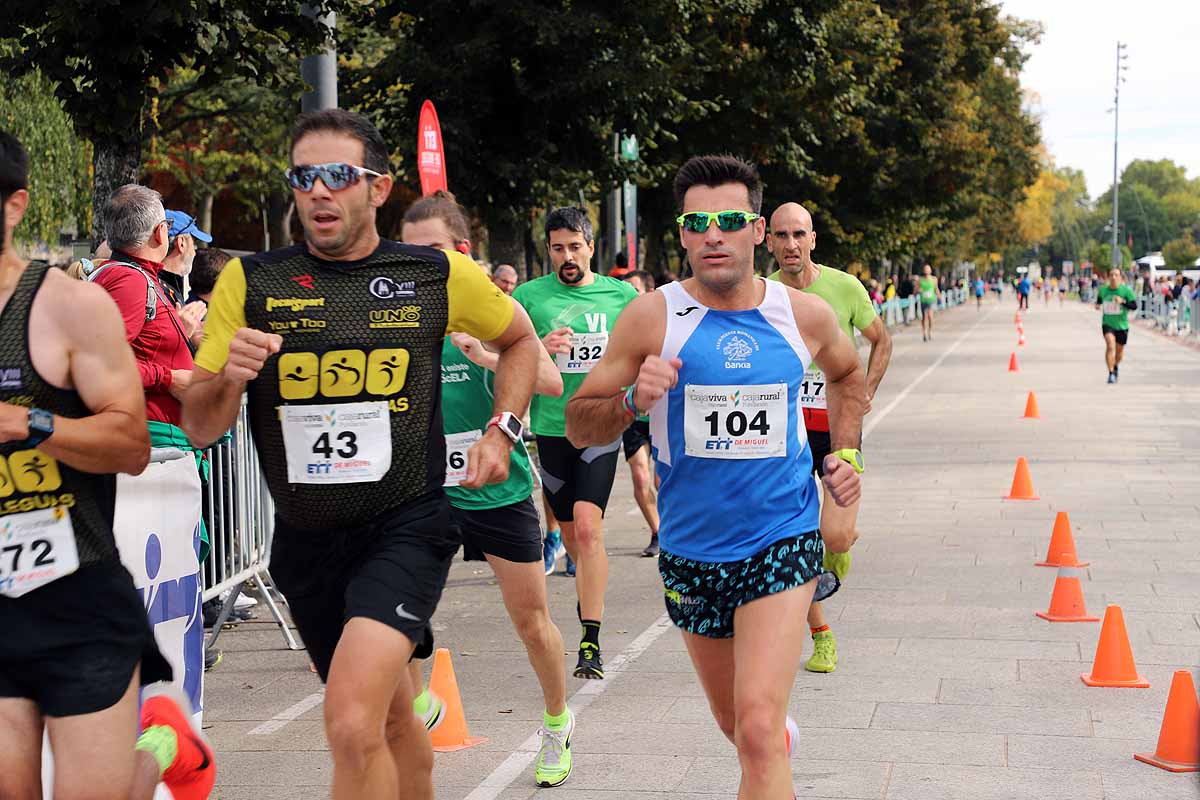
645, 277
570, 218
622, 260
354, 125
716, 171
441, 205
206, 268
14, 173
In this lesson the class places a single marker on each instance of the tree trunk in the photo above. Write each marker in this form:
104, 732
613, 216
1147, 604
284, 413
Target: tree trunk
206, 209
506, 239
279, 219
115, 162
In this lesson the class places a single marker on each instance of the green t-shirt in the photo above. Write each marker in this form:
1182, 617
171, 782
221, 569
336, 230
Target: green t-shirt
467, 400
1112, 306
590, 311
845, 294
928, 291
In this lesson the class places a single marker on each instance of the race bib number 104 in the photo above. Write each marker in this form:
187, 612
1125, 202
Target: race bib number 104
736, 422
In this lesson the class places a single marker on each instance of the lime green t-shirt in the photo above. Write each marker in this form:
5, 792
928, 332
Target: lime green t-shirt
467, 401
1112, 305
845, 294
928, 291
590, 311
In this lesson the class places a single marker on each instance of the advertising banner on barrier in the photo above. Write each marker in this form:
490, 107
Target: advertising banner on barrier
157, 526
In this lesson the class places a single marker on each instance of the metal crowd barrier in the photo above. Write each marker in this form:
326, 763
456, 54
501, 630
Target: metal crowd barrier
240, 517
1174, 317
906, 310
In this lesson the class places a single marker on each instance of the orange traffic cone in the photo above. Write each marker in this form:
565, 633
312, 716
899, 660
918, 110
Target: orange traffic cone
1179, 738
1066, 603
1031, 407
1021, 341
1061, 552
451, 734
1012, 363
1022, 485
1020, 328
1113, 665
1017, 318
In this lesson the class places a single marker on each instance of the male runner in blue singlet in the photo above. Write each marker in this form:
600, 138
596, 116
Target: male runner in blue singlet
718, 360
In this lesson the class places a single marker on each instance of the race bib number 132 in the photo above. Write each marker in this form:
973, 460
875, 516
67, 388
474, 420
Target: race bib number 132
586, 350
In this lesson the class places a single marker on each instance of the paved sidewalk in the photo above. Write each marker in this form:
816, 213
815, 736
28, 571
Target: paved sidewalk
948, 686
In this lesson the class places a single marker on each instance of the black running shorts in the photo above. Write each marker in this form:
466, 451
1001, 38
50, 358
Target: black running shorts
71, 646
571, 475
512, 532
391, 570
635, 437
1122, 336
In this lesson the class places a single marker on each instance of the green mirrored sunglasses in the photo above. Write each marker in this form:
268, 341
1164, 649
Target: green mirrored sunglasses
699, 221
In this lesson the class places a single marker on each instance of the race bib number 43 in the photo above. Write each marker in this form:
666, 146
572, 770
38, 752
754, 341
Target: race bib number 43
586, 350
345, 443
457, 445
736, 421
36, 547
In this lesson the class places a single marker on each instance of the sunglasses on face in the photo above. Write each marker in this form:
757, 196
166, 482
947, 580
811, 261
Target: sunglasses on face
334, 176
699, 221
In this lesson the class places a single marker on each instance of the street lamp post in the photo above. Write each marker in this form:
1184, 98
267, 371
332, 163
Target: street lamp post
1116, 250
319, 70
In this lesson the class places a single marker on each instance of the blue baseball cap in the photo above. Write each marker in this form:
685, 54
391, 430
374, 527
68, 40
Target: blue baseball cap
185, 223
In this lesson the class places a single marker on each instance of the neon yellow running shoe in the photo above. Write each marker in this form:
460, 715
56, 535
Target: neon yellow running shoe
554, 758
837, 563
824, 657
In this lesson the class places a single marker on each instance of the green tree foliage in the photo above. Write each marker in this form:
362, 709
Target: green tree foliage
59, 190
1181, 253
106, 60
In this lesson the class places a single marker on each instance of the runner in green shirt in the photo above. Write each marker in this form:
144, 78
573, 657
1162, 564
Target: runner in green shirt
928, 288
791, 241
573, 310
1115, 300
499, 522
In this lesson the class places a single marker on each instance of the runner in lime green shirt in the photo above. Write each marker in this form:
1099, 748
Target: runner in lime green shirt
928, 288
499, 522
1115, 300
791, 241
573, 309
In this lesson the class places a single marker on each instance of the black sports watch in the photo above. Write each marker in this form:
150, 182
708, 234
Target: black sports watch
41, 426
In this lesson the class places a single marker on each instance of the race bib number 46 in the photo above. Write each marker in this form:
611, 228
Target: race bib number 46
586, 350
812, 389
345, 443
736, 421
457, 445
36, 547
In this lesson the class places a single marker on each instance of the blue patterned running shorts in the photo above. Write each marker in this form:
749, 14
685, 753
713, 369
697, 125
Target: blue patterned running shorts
701, 596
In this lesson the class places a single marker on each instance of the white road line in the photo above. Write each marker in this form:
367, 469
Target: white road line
288, 714
515, 765
877, 418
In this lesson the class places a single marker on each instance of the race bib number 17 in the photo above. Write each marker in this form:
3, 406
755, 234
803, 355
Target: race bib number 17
736, 422
344, 443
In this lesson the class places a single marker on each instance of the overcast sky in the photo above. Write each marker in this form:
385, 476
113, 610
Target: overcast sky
1073, 69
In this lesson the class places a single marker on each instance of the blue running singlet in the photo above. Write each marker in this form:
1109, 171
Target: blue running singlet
729, 440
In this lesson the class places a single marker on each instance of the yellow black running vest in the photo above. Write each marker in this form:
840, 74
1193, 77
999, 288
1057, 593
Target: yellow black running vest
395, 299
30, 479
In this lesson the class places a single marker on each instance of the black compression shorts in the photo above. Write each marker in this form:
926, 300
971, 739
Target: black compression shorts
1121, 335
571, 475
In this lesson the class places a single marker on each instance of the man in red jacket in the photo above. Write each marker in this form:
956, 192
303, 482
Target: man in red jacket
139, 235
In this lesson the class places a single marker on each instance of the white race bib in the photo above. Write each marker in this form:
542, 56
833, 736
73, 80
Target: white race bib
457, 445
735, 421
812, 389
586, 349
343, 443
1112, 306
36, 547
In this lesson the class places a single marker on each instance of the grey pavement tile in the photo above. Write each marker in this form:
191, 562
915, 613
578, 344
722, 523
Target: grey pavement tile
850, 663
989, 649
899, 689
1141, 725
1150, 782
930, 782
982, 719
808, 713
812, 778
1089, 753
275, 769
909, 746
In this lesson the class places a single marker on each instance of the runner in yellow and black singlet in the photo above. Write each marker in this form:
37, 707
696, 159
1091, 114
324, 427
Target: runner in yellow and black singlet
337, 344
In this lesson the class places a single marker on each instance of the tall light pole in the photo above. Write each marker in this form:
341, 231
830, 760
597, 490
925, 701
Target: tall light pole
319, 70
1116, 249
